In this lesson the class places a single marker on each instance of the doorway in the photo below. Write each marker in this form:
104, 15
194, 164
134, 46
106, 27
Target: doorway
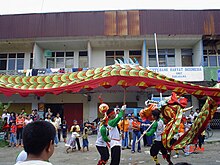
55, 108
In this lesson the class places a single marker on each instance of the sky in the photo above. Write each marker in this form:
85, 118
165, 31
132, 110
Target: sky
47, 6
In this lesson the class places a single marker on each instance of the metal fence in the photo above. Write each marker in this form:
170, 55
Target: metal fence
215, 123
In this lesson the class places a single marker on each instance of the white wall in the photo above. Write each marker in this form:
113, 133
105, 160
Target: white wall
178, 58
98, 58
76, 59
38, 59
89, 48
27, 60
198, 54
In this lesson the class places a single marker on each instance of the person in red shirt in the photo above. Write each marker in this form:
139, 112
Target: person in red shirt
136, 125
13, 130
20, 126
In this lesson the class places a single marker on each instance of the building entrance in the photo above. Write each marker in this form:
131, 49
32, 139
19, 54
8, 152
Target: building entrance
55, 108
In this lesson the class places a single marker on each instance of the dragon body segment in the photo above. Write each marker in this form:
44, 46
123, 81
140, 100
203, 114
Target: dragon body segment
172, 110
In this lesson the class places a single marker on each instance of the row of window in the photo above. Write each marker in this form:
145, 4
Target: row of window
166, 58
12, 61
211, 57
66, 60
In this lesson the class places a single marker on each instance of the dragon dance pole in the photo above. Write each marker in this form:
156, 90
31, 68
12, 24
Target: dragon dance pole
124, 101
145, 132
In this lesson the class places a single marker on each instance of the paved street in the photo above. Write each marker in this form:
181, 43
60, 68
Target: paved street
60, 157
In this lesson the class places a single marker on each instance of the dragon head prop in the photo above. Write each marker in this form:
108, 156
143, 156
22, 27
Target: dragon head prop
146, 113
167, 107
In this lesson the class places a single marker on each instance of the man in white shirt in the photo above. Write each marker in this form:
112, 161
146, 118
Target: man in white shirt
6, 115
196, 113
191, 116
114, 135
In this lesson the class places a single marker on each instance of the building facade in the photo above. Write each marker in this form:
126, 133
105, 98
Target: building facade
188, 44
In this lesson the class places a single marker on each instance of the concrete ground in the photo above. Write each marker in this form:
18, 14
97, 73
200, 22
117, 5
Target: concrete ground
91, 157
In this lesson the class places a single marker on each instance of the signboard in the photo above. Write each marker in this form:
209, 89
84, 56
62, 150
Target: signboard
47, 53
181, 73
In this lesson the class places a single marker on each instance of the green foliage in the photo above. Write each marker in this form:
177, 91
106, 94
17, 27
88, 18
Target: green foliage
3, 143
2, 122
4, 106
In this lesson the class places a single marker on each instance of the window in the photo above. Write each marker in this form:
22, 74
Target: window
61, 60
211, 57
83, 59
111, 56
135, 55
12, 61
186, 57
166, 57
3, 61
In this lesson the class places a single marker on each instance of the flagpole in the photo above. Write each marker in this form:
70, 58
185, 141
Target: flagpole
157, 59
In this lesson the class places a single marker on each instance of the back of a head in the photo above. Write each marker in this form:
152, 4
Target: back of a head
156, 113
182, 163
37, 136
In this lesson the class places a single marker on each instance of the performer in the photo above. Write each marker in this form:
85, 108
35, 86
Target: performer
102, 142
114, 134
157, 129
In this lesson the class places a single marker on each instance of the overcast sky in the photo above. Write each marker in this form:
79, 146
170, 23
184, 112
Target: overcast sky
45, 6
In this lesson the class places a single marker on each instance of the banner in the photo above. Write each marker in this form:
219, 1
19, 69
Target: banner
181, 73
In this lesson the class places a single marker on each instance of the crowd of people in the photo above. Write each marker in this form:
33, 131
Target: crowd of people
116, 131
14, 123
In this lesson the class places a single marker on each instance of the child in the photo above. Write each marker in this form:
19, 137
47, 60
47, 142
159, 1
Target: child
71, 144
64, 129
85, 137
38, 138
13, 130
75, 125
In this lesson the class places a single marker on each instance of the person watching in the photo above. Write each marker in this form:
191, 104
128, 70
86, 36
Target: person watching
38, 140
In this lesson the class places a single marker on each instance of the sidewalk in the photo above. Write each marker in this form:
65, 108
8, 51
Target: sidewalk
215, 137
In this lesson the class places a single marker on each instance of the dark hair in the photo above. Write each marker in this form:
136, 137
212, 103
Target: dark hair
156, 114
74, 129
136, 117
37, 136
182, 163
85, 124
